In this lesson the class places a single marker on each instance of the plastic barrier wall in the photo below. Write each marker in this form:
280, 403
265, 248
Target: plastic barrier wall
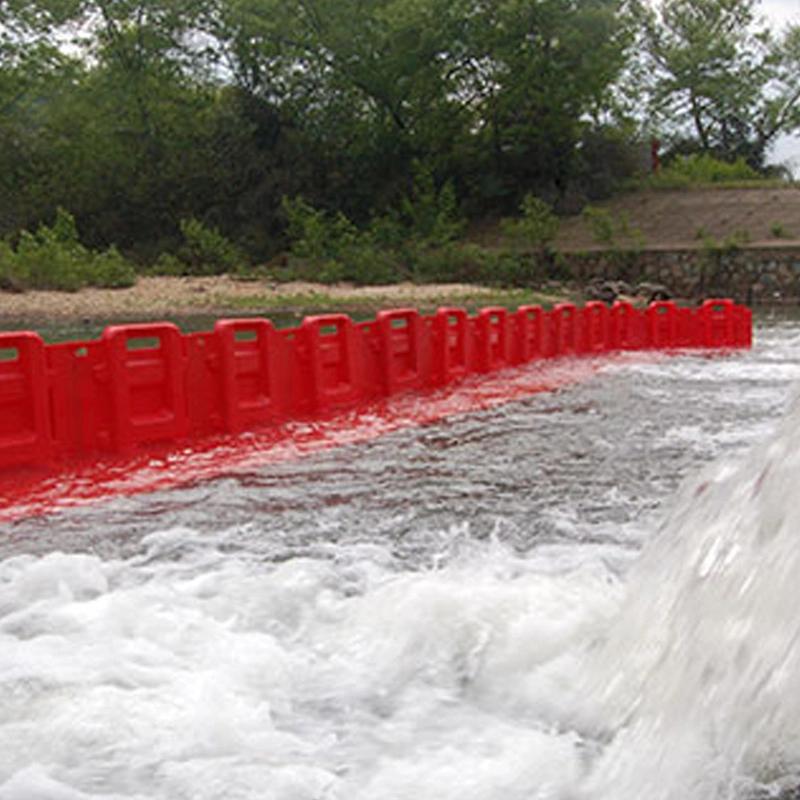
145, 384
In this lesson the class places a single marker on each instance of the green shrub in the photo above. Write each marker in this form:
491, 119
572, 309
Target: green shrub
450, 263
54, 258
9, 280
111, 270
536, 227
431, 214
778, 231
167, 265
316, 235
205, 251
703, 169
366, 263
602, 224
334, 250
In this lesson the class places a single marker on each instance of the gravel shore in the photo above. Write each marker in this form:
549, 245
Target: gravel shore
169, 297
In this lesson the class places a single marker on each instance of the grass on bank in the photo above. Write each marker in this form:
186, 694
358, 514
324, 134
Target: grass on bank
361, 306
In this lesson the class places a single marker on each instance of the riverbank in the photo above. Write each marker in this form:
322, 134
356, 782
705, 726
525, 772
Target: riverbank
737, 242
194, 302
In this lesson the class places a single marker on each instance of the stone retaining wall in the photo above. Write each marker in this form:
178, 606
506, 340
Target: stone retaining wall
748, 275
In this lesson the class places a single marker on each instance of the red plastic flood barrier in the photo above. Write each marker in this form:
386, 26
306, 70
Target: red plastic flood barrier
148, 386
24, 425
530, 333
662, 319
81, 412
401, 358
566, 330
628, 329
595, 327
330, 348
452, 345
688, 327
148, 398
725, 324
249, 372
492, 349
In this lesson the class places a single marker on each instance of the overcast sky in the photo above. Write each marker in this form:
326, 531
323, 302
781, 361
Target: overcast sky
780, 13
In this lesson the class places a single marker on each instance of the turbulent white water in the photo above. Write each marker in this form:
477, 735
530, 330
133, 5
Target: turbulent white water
511, 605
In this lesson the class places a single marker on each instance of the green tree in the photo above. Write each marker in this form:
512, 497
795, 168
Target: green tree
717, 78
535, 73
198, 109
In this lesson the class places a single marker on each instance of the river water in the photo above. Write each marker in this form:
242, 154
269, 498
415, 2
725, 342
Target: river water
590, 593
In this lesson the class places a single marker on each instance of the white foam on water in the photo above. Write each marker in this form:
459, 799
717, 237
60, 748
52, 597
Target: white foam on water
212, 676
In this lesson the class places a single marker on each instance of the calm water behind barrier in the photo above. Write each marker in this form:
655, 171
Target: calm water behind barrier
446, 611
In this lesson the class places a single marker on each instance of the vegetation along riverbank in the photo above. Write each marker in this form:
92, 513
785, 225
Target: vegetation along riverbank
494, 145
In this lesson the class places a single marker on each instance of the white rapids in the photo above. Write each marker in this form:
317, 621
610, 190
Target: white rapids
198, 666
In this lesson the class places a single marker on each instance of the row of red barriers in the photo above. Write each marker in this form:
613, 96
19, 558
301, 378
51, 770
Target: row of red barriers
143, 384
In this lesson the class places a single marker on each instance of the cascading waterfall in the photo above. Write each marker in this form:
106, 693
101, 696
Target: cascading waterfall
698, 679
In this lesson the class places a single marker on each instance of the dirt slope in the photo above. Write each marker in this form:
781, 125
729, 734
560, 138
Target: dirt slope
757, 217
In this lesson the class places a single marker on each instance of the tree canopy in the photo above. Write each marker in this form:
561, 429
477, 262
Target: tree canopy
718, 78
137, 114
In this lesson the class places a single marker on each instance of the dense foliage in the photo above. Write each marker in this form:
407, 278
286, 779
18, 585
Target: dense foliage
217, 131
716, 79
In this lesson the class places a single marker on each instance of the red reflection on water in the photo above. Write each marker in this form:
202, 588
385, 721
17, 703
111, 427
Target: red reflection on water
38, 492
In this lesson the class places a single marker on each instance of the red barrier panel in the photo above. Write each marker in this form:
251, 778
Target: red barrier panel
565, 329
370, 347
595, 327
492, 351
400, 350
718, 323
662, 319
688, 328
204, 384
331, 353
427, 341
148, 401
24, 424
80, 398
530, 333
249, 372
451, 351
627, 327
549, 343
